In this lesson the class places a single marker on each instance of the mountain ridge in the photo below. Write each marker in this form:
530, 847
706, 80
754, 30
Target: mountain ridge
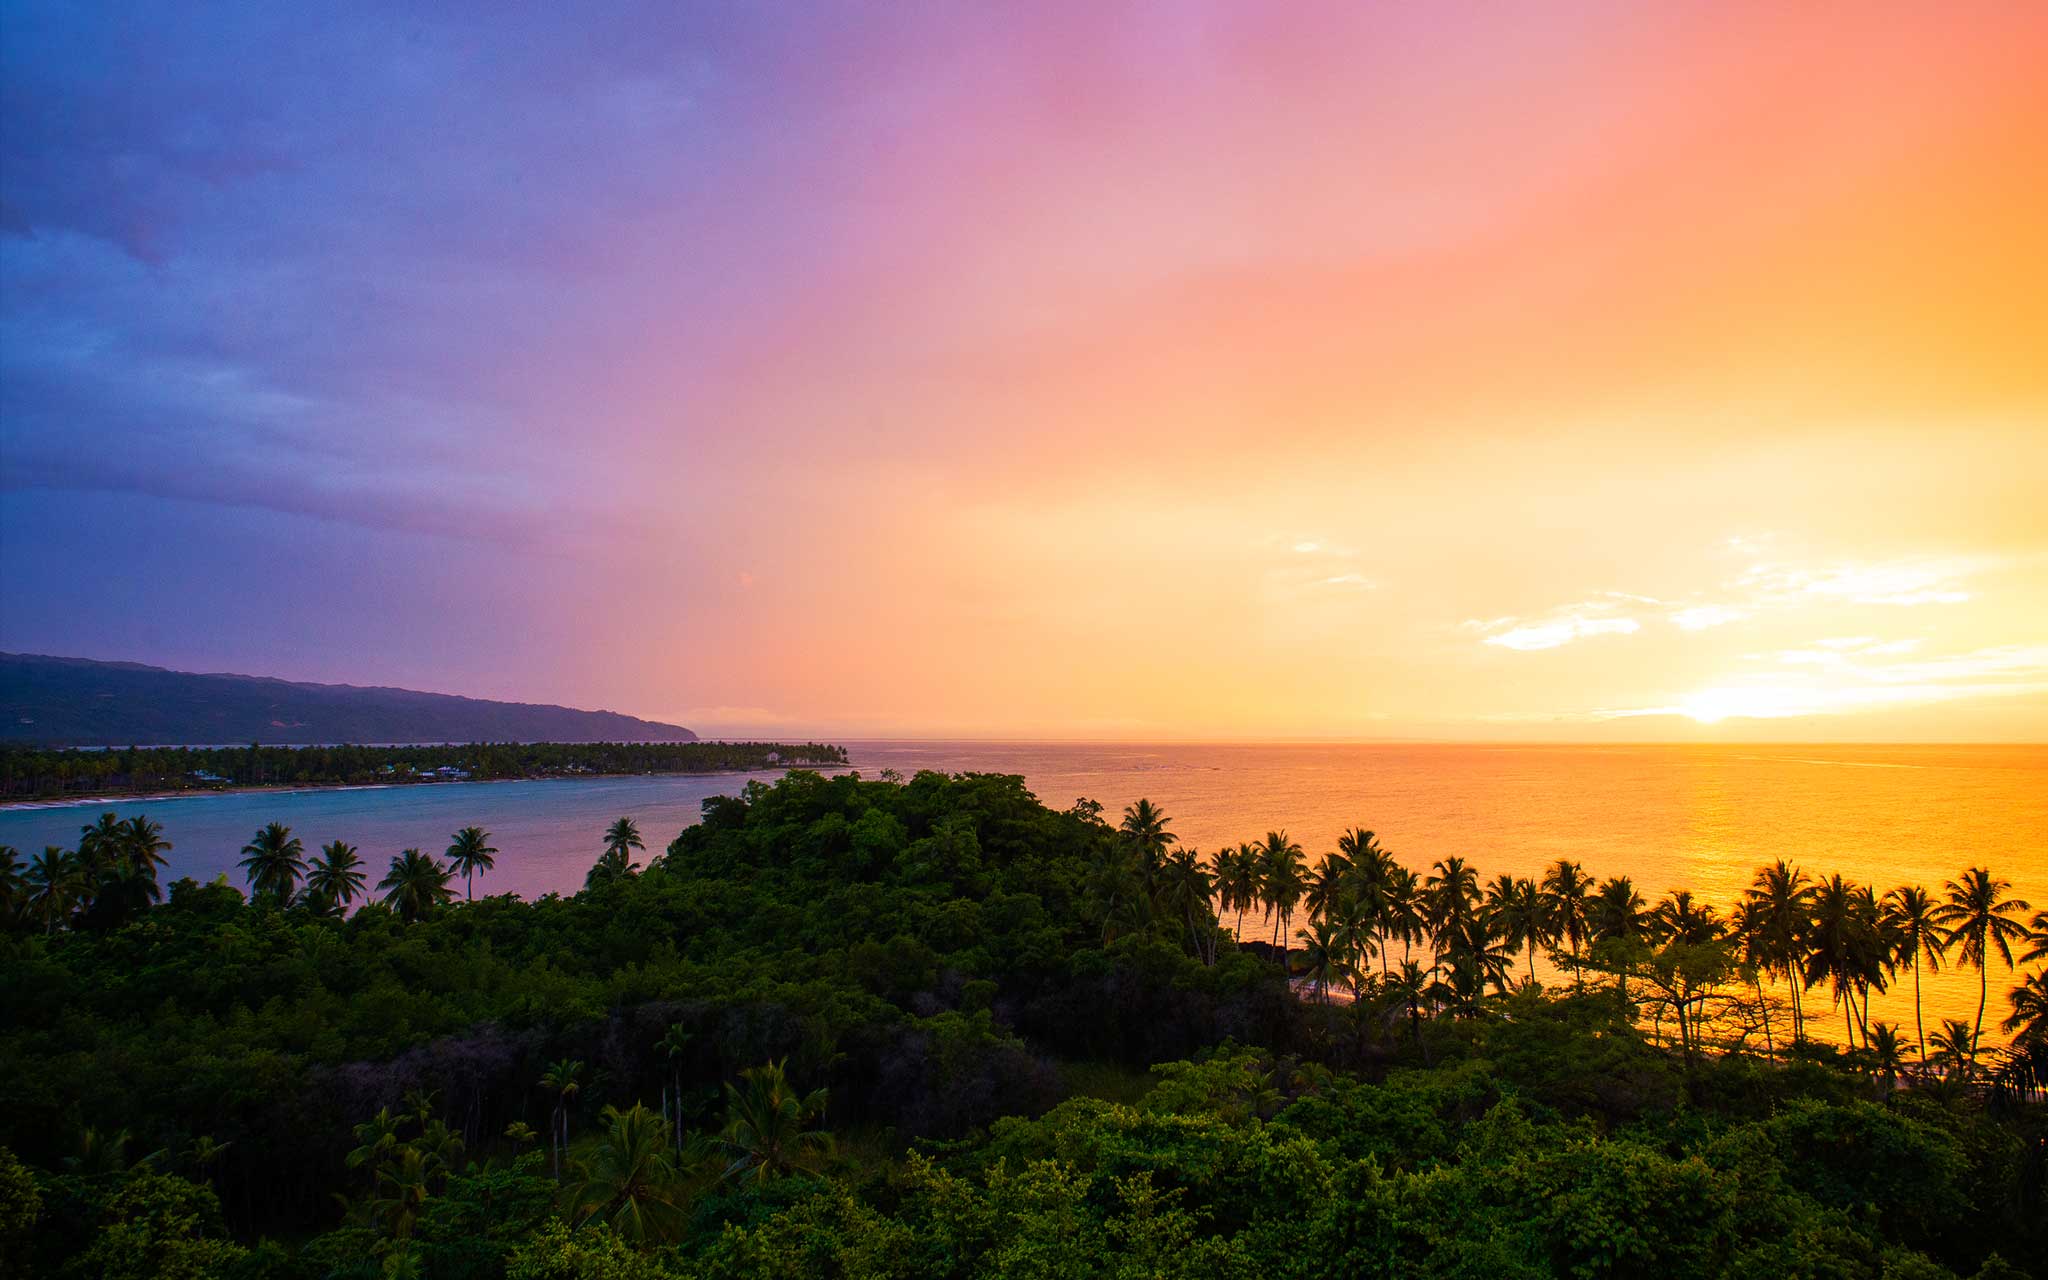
54, 700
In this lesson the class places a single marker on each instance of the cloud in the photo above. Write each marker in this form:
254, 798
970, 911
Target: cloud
1895, 582
1567, 625
1699, 617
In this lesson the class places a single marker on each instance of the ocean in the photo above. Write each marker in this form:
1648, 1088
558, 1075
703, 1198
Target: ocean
1698, 817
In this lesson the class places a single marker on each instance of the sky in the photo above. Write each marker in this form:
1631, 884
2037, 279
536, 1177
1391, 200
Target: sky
1554, 372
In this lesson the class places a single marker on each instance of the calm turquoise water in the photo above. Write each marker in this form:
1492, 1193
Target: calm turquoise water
1700, 817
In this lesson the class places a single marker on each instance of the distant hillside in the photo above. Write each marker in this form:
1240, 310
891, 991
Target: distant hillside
77, 702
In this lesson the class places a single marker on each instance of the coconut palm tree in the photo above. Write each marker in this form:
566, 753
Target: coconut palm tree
335, 877
1955, 1046
616, 862
1324, 885
1978, 917
564, 1079
1750, 938
674, 1046
1884, 1053
143, 847
771, 1129
1281, 880
2029, 1000
1239, 885
1781, 899
1357, 936
1370, 867
1407, 910
1845, 947
416, 884
101, 846
1519, 914
1620, 917
274, 861
1323, 956
1144, 829
1918, 937
1186, 889
2037, 938
13, 886
1678, 918
56, 886
622, 838
469, 853
1453, 897
631, 1181
1569, 892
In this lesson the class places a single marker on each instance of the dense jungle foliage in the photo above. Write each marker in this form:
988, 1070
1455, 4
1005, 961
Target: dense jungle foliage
875, 1028
33, 772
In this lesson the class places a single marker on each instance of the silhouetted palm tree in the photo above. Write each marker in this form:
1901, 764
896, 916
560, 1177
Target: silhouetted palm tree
631, 1181
1323, 956
100, 846
274, 862
1144, 830
2029, 1000
1238, 882
417, 883
770, 1128
1407, 909
1619, 917
1569, 892
1370, 868
1518, 912
1909, 919
616, 862
1324, 885
470, 853
335, 877
1884, 1053
1955, 1045
1186, 889
143, 846
1978, 917
1281, 880
1453, 897
1678, 918
14, 888
1781, 913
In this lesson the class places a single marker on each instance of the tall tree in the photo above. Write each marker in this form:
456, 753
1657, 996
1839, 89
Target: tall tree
563, 1078
631, 1181
1781, 898
469, 852
274, 862
1979, 920
1144, 830
1187, 889
1919, 938
1281, 880
1569, 892
1519, 914
1453, 895
1239, 884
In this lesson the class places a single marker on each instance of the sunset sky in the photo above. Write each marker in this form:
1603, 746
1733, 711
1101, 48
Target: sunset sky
1602, 371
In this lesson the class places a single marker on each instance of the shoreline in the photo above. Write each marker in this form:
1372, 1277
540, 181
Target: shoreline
307, 788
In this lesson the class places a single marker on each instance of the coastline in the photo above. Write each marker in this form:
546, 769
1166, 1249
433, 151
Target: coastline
307, 788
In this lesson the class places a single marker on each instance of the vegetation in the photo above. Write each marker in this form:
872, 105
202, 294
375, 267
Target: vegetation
845, 1027
32, 773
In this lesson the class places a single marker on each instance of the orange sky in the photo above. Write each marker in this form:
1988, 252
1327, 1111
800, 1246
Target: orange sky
1583, 371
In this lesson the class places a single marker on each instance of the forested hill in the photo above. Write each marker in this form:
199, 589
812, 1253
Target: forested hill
78, 702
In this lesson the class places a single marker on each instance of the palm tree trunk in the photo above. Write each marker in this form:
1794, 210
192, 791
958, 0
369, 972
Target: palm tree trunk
1763, 1007
1919, 1027
1532, 962
1983, 989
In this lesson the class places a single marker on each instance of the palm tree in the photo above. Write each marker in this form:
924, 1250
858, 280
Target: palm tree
1281, 880
1955, 1046
1909, 919
143, 846
100, 846
1323, 955
274, 861
417, 883
1371, 867
1453, 897
1519, 913
1677, 918
631, 1181
1619, 917
1406, 907
564, 1079
335, 877
1884, 1053
13, 886
674, 1045
616, 862
1781, 899
470, 853
1569, 892
1187, 888
1978, 917
1239, 884
1144, 830
1326, 884
2029, 1000
2037, 938
402, 1192
56, 883
1357, 937
769, 1128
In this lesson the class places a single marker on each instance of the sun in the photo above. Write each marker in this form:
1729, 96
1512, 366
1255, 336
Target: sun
1712, 706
